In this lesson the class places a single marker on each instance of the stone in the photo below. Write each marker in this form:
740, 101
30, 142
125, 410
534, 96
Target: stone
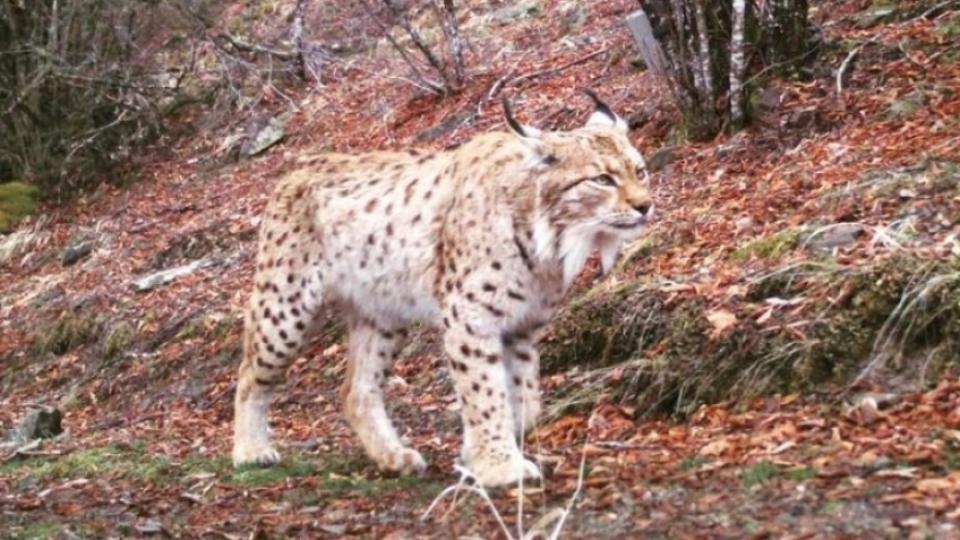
264, 135
76, 251
876, 15
770, 99
152, 281
149, 527
43, 423
661, 158
446, 126
17, 243
826, 239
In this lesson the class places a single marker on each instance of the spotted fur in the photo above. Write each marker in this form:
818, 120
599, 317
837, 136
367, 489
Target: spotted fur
482, 241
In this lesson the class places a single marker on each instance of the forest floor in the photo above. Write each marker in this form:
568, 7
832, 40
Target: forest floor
145, 380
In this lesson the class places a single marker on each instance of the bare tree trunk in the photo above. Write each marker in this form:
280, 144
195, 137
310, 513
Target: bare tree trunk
401, 18
704, 64
451, 33
421, 79
787, 33
737, 63
708, 44
297, 38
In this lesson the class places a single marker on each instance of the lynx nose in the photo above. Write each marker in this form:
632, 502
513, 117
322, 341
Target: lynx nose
644, 207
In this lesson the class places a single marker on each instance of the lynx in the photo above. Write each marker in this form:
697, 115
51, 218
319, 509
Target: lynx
482, 240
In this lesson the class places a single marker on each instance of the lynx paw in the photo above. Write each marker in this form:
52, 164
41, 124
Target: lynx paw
492, 472
403, 460
262, 456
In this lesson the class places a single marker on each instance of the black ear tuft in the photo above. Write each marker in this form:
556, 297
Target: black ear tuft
599, 105
511, 121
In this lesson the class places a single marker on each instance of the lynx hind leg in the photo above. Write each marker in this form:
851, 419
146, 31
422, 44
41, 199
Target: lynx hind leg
258, 375
281, 312
523, 367
371, 354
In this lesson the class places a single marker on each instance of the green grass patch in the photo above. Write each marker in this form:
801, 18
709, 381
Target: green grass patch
129, 461
118, 340
69, 332
692, 463
340, 475
290, 467
17, 201
770, 248
33, 531
952, 459
759, 474
801, 474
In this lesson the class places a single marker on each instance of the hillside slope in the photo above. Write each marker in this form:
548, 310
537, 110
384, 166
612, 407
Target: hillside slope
817, 249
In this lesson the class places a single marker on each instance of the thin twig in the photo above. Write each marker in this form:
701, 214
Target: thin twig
848, 63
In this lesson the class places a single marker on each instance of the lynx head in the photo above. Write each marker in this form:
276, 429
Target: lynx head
591, 188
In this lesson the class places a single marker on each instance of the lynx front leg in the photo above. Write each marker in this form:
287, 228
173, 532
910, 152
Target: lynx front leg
371, 352
523, 366
480, 377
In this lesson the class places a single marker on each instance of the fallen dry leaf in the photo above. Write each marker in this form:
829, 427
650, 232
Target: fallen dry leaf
722, 320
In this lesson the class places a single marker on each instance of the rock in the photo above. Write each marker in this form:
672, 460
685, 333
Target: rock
449, 124
17, 243
661, 158
876, 15
149, 527
825, 239
511, 12
744, 225
152, 281
770, 99
76, 251
44, 423
336, 529
264, 135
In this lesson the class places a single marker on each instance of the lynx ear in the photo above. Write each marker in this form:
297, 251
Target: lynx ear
526, 133
537, 158
602, 115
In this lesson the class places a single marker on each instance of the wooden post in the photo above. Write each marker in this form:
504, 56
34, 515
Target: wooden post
647, 44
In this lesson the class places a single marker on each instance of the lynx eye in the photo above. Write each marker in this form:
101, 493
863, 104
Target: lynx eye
604, 180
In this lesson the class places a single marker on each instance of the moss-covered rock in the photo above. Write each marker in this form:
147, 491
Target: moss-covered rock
17, 201
662, 354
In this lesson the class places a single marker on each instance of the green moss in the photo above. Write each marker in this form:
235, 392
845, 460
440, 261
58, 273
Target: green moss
591, 331
115, 460
801, 474
759, 474
290, 467
69, 332
692, 463
194, 328
769, 248
915, 303
901, 109
948, 27
17, 201
118, 340
216, 326
34, 531
639, 250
